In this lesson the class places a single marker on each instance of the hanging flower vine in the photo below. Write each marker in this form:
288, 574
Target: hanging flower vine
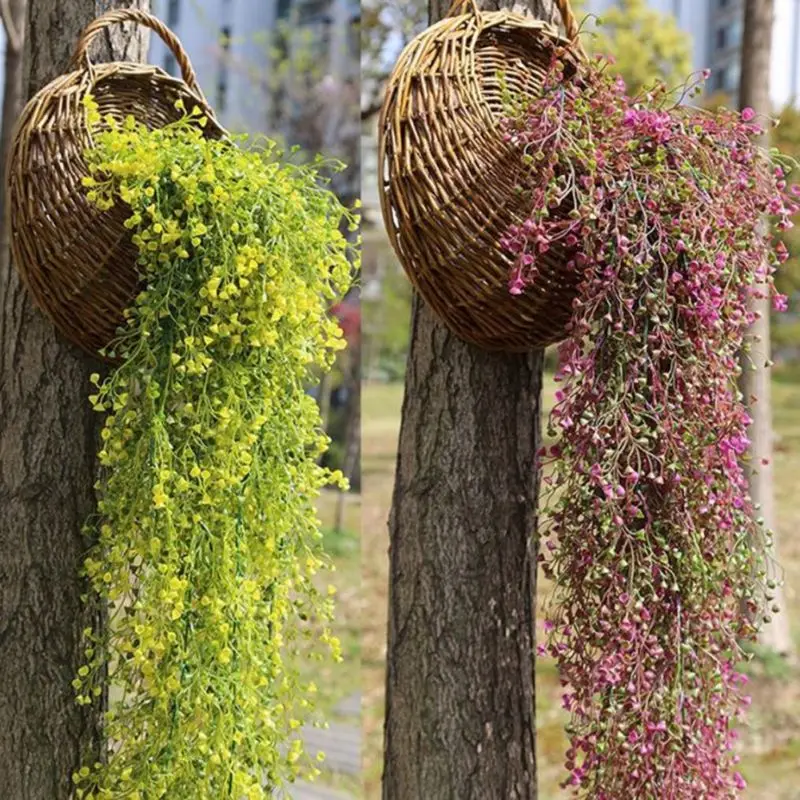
208, 536
652, 542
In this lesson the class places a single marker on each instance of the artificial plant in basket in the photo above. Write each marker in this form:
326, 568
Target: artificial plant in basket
208, 537
652, 540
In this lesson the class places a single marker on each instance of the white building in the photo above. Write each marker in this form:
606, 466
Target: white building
286, 68
236, 77
235, 47
223, 70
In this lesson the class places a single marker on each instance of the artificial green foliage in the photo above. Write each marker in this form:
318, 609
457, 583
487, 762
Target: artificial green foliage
208, 539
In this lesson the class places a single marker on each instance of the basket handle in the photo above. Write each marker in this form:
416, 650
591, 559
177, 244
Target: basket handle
80, 57
571, 26
462, 7
568, 17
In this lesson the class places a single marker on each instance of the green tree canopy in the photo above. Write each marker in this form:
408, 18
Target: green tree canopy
647, 44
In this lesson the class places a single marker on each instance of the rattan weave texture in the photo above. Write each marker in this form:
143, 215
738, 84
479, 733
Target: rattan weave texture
78, 262
449, 180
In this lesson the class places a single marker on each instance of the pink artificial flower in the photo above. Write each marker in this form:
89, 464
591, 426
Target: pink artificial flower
516, 285
703, 239
780, 302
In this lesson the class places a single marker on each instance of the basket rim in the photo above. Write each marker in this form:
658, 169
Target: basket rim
68, 80
473, 25
486, 19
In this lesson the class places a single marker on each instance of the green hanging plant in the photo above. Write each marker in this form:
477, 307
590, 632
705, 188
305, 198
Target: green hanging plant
207, 535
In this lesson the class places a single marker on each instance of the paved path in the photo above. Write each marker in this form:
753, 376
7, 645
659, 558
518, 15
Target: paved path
313, 791
341, 743
350, 707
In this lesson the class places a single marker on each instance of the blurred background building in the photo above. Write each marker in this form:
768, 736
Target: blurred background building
288, 68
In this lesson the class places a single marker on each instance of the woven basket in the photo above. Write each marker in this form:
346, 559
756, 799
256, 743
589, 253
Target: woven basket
78, 262
449, 184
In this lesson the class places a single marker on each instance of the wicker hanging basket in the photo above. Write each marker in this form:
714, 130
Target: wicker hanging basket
449, 183
78, 262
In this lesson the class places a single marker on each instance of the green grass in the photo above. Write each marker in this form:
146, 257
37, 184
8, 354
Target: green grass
771, 741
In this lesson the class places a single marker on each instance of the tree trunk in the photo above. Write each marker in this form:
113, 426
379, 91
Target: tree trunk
754, 92
352, 437
352, 459
325, 390
460, 720
14, 25
47, 473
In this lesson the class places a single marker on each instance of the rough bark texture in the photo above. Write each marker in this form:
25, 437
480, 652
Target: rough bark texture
352, 459
351, 465
460, 721
541, 9
754, 92
47, 468
14, 24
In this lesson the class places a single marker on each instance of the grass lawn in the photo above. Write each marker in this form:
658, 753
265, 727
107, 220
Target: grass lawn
770, 744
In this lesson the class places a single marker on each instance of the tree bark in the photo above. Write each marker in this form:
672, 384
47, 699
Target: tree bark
352, 459
14, 24
352, 437
460, 720
754, 92
47, 473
